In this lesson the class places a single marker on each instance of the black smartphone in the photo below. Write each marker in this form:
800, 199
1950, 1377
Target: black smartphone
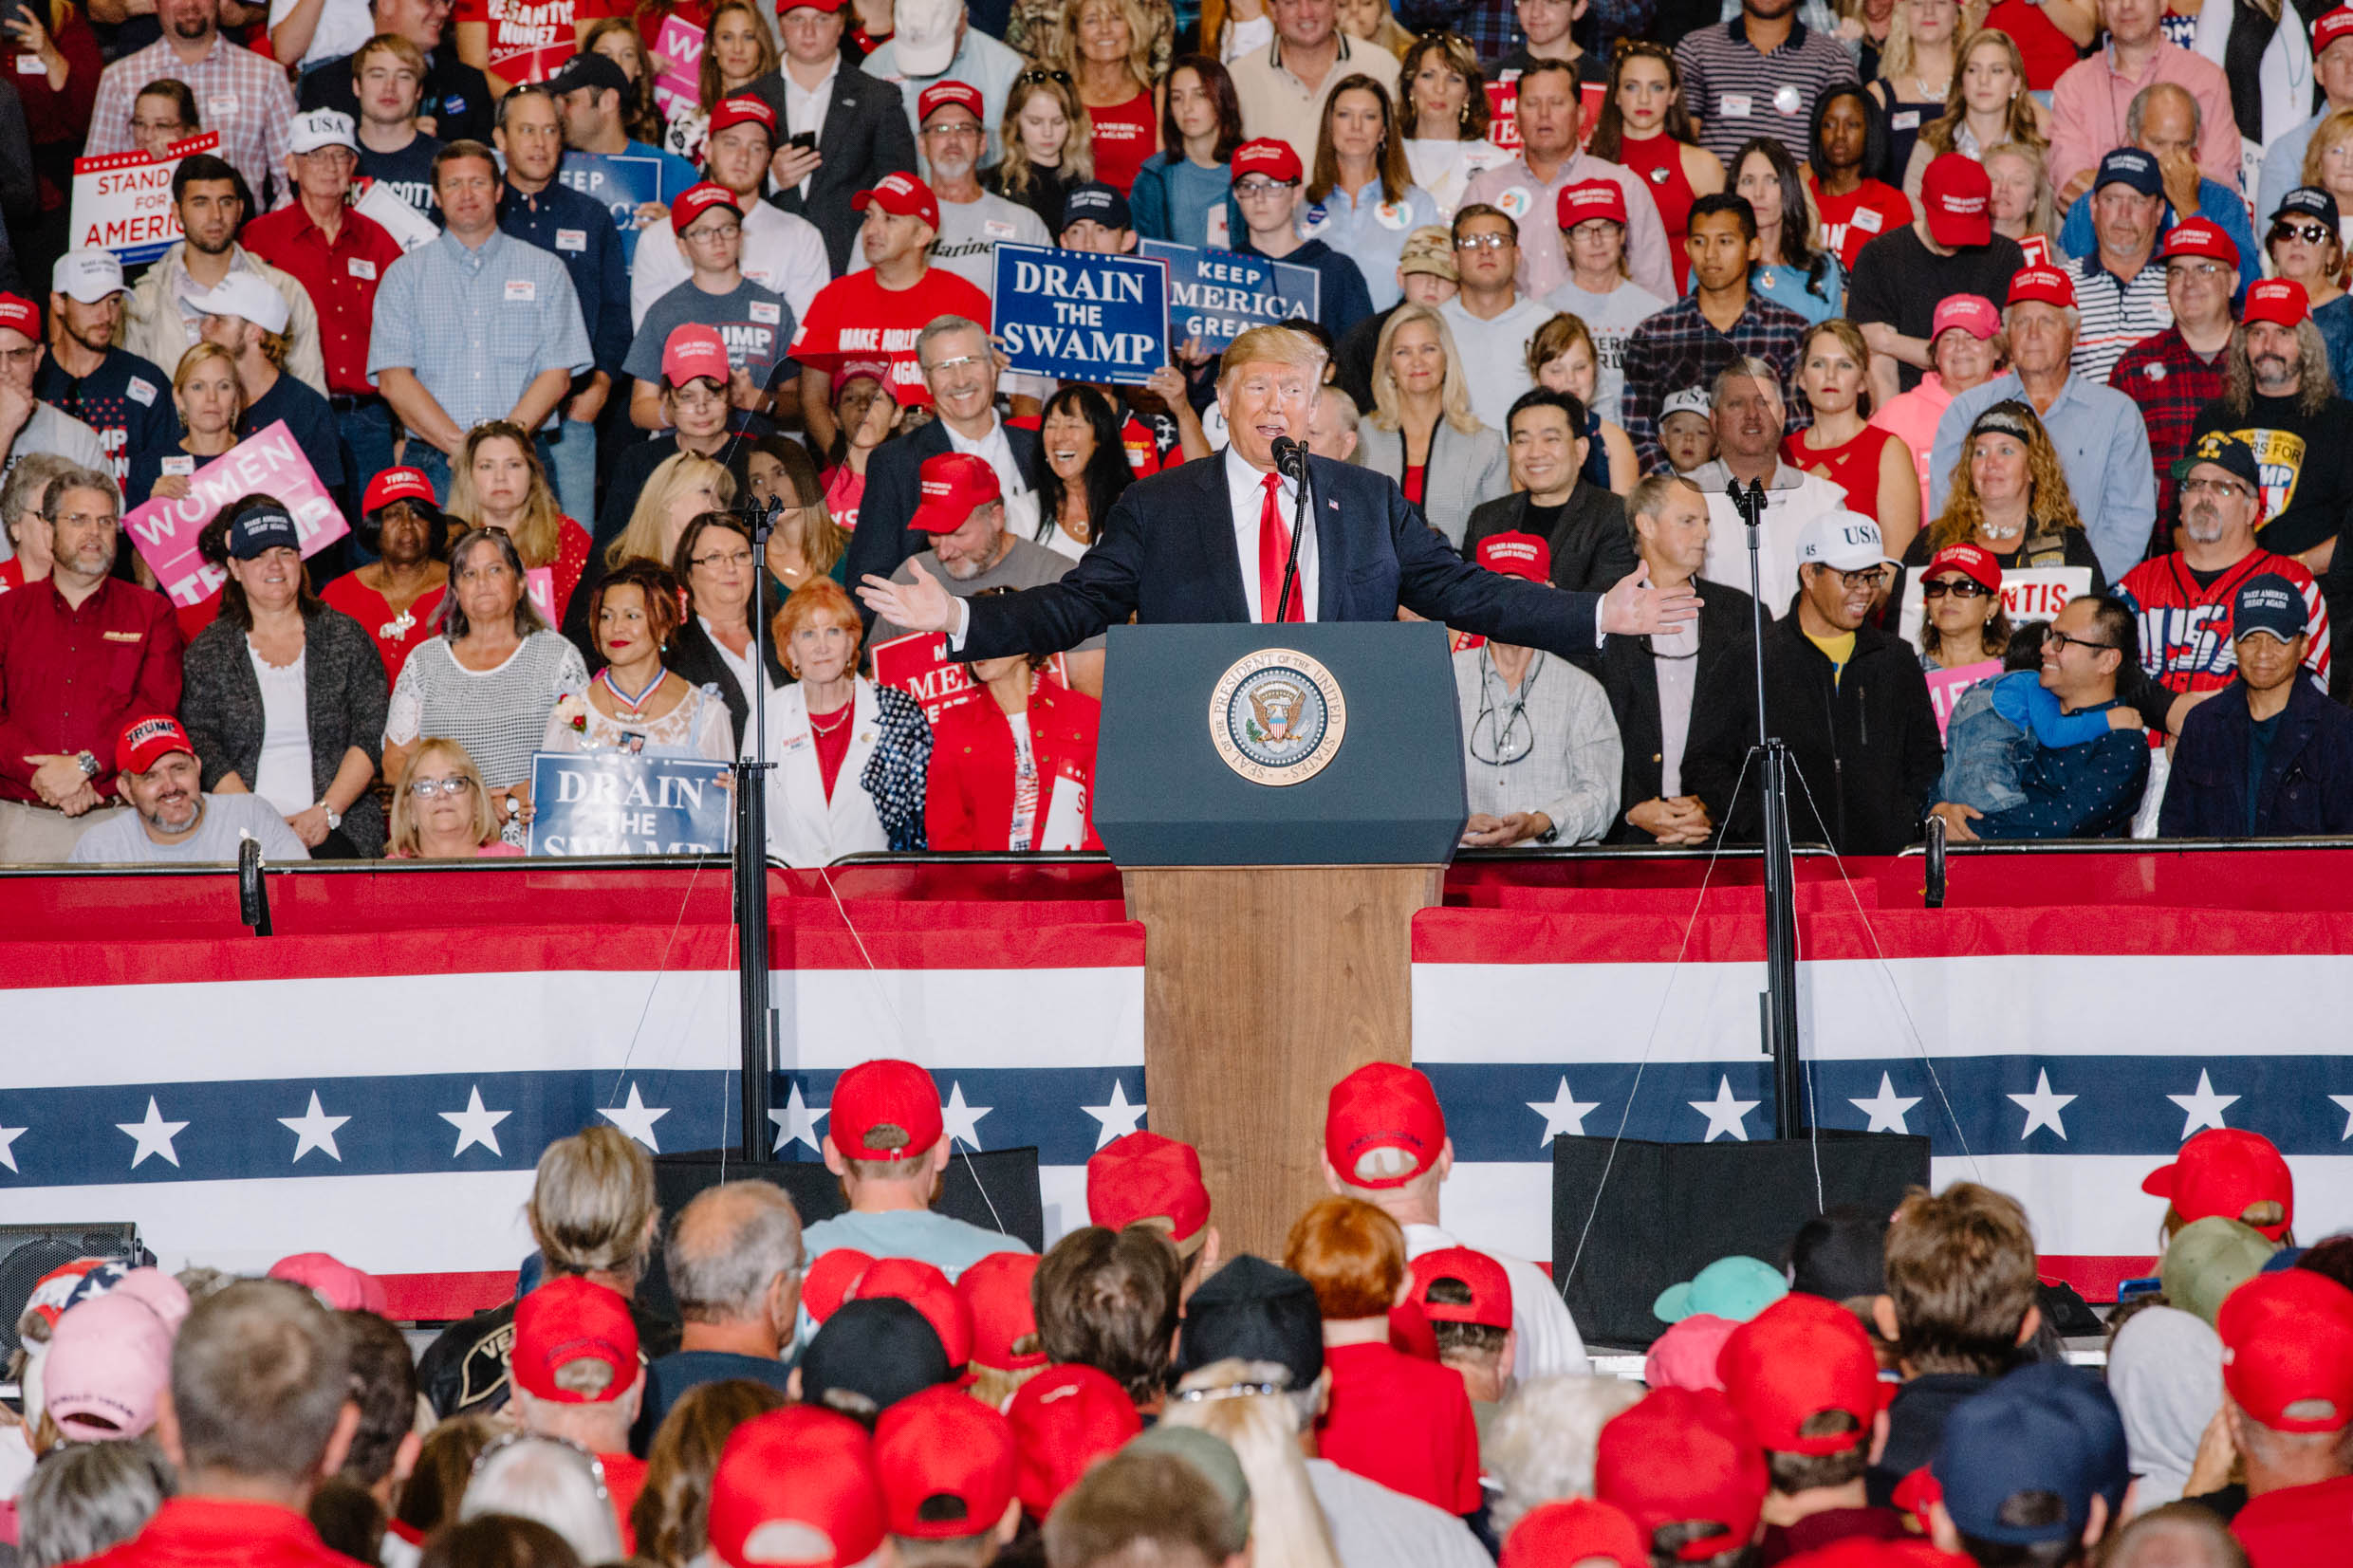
804, 138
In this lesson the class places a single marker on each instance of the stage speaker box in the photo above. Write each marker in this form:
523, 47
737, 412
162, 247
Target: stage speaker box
28, 1252
996, 1190
1666, 1211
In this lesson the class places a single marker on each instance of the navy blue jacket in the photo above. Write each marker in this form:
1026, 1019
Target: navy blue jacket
2308, 779
578, 230
2087, 791
1167, 556
1342, 297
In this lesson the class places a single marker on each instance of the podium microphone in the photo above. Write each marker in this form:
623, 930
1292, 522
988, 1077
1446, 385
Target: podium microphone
1291, 458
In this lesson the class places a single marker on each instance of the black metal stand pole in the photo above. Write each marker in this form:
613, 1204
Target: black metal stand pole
751, 864
1297, 471
1780, 1037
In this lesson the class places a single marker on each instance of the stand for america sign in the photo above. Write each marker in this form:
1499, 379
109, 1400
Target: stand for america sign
1216, 296
1076, 316
122, 202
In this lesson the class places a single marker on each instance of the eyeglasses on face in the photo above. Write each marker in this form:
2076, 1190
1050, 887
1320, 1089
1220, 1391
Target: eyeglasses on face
425, 790
1249, 188
715, 560
2054, 634
2225, 488
1035, 74
1959, 587
1482, 242
2311, 234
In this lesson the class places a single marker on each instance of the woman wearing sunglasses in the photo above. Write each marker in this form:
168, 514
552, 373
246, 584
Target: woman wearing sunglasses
1962, 620
2306, 243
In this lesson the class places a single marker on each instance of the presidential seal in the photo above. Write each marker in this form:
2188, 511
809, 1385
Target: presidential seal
1277, 717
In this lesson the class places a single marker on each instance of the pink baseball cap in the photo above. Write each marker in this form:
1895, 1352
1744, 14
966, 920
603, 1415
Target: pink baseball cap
335, 1282
1972, 313
109, 1360
692, 352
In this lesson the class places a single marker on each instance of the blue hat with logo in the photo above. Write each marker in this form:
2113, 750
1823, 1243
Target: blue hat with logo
1098, 203
1735, 1288
263, 526
2015, 1466
2133, 167
2269, 603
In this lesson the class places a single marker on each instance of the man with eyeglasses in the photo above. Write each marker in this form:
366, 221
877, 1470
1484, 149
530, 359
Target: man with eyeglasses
837, 131
1267, 179
2164, 123
935, 41
28, 424
2088, 790
1849, 698
2175, 372
81, 653
1491, 320
754, 321
1750, 415
2121, 286
781, 251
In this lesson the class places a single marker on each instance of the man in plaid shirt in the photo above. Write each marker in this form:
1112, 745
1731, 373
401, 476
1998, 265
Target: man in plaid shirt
2173, 374
1685, 345
238, 93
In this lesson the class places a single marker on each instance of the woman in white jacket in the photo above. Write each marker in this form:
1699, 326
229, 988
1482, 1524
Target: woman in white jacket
851, 758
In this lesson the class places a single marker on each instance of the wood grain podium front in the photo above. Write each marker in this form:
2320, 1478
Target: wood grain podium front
1278, 915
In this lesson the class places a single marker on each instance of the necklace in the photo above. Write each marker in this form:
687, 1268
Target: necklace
636, 703
841, 719
1992, 532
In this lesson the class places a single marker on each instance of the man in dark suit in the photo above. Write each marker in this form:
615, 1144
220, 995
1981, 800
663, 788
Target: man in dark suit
1657, 684
1584, 524
861, 127
962, 376
1208, 542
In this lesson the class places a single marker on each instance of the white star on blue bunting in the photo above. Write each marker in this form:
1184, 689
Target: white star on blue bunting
314, 1128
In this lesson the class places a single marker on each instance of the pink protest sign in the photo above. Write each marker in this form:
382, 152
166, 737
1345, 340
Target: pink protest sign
678, 85
1946, 686
269, 463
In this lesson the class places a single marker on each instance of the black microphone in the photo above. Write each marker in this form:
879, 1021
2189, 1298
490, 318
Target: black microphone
1291, 458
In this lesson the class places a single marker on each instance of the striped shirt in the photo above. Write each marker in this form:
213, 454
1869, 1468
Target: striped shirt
1737, 93
2118, 313
499, 715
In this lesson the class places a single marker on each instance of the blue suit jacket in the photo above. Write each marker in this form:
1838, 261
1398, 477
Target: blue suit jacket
1167, 556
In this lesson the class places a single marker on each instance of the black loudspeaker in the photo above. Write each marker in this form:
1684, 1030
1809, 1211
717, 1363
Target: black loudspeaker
28, 1252
996, 1190
1666, 1211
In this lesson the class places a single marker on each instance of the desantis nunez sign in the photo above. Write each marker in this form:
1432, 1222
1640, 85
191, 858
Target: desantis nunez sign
1076, 316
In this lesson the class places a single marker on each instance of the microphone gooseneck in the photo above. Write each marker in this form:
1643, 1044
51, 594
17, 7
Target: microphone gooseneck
1291, 458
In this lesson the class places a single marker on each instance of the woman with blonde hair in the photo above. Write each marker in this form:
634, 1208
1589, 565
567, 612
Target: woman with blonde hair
617, 38
441, 808
2024, 203
1375, 23
1361, 196
2328, 160
212, 404
1916, 68
1443, 115
1563, 356
497, 483
1988, 103
681, 487
1049, 144
2010, 495
804, 543
671, 1518
1252, 1406
1108, 49
740, 51
1875, 467
1422, 431
852, 758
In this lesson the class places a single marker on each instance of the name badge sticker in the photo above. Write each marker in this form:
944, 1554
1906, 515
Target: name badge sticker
140, 391
997, 229
763, 311
522, 292
222, 103
571, 239
1735, 104
179, 464
1904, 119
1868, 219
362, 269
29, 65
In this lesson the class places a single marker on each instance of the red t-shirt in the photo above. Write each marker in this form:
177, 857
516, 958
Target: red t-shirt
2297, 1527
624, 1478
1854, 465
216, 1532
2048, 52
1854, 220
855, 317
1403, 1423
529, 42
1123, 134
833, 745
393, 635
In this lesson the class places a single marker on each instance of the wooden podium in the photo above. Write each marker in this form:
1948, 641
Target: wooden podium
1279, 801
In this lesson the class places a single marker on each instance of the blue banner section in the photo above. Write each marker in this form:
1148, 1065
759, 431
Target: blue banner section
1080, 317
622, 181
614, 803
1216, 295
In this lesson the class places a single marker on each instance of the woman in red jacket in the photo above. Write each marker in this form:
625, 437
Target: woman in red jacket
1013, 763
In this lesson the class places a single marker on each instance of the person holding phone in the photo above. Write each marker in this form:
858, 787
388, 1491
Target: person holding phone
840, 137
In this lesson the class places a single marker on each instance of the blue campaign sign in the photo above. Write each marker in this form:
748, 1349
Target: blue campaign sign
1216, 295
1080, 317
613, 802
622, 181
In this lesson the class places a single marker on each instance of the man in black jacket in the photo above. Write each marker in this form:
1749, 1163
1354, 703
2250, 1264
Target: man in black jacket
842, 136
1849, 698
2269, 755
1583, 524
1659, 684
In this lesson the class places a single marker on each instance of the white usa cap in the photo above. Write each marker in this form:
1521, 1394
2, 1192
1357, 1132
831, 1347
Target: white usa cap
1844, 541
1689, 400
247, 295
87, 276
320, 128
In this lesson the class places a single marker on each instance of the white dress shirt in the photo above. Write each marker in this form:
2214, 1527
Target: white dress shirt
1245, 487
805, 107
1020, 502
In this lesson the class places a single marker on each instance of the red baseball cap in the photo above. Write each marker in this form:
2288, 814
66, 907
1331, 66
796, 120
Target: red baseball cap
884, 1110
1523, 555
995, 1292
2200, 238
1591, 198
574, 1343
2288, 1350
22, 314
1146, 1179
743, 109
830, 1279
1064, 1419
693, 352
1574, 1532
902, 195
1683, 1454
941, 94
2039, 285
148, 740
2279, 300
1959, 200
695, 200
2332, 26
796, 1486
334, 1281
1795, 1359
1380, 1107
1862, 1552
787, 7
945, 1463
2226, 1170
955, 485
874, 370
1269, 156
922, 1286
1490, 1288
409, 484
1974, 561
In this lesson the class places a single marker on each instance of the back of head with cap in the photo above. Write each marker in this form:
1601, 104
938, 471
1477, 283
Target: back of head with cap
1255, 1311
869, 1355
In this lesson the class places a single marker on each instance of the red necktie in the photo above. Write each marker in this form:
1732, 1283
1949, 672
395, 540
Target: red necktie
1274, 551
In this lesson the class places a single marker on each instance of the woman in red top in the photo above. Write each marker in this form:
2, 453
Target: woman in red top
393, 597
497, 483
1875, 467
1855, 207
1393, 1419
1110, 43
1644, 126
57, 72
1014, 764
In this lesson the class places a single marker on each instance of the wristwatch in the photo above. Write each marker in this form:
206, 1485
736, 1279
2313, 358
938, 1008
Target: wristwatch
334, 817
87, 762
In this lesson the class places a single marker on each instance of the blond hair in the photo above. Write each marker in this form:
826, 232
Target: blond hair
1896, 54
1078, 140
1287, 1522
2334, 126
195, 360
672, 477
1141, 30
2020, 125
539, 535
592, 1207
405, 840
1278, 345
1454, 393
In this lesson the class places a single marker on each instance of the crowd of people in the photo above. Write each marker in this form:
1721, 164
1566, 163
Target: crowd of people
895, 1388
624, 345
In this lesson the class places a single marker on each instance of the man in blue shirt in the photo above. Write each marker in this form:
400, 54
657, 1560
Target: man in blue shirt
2163, 123
588, 92
123, 398
476, 325
538, 208
886, 1139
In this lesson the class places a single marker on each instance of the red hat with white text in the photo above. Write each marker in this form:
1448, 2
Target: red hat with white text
22, 314
955, 485
695, 200
2041, 285
1591, 198
2281, 302
1958, 200
1517, 554
694, 352
2332, 26
148, 740
743, 109
901, 196
941, 94
1266, 156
